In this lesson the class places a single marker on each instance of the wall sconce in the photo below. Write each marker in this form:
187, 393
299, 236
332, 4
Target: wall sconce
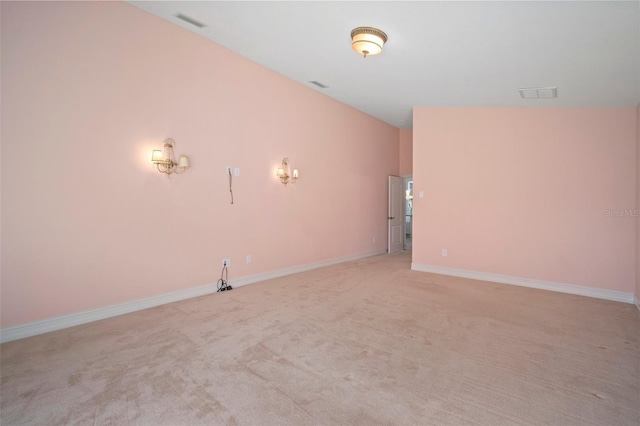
283, 173
164, 159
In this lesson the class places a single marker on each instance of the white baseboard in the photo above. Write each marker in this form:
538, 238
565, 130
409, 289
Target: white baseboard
58, 323
637, 302
297, 269
617, 296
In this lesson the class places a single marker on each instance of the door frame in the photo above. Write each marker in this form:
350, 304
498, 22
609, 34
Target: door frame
395, 214
407, 179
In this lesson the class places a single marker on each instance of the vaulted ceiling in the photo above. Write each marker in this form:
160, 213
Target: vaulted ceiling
439, 54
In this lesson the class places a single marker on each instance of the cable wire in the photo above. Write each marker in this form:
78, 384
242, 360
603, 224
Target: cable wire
223, 282
230, 183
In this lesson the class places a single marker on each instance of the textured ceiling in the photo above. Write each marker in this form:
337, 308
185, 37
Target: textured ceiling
439, 54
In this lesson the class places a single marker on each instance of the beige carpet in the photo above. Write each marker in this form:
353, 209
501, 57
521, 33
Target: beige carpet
367, 342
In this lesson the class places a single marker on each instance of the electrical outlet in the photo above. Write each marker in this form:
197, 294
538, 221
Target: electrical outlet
249, 258
374, 239
226, 262
444, 253
236, 171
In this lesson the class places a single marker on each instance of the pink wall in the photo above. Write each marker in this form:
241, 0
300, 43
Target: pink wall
89, 88
523, 192
406, 151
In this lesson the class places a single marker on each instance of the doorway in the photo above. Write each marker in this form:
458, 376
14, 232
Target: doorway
395, 218
400, 214
408, 219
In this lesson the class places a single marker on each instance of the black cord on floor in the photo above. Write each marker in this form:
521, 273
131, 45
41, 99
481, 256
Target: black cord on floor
223, 282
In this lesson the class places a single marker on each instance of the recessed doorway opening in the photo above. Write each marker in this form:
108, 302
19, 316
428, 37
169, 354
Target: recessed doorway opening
408, 219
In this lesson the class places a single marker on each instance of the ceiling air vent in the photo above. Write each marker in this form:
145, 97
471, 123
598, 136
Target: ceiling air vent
538, 92
320, 85
190, 20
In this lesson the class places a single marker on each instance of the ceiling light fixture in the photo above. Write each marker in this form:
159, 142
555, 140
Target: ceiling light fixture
367, 40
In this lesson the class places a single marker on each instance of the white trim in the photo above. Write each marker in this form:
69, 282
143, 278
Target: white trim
637, 302
58, 323
297, 269
71, 320
617, 296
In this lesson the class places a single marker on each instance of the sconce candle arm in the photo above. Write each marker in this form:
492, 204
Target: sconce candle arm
164, 159
284, 173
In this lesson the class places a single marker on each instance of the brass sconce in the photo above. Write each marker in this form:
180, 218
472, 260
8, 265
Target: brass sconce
163, 159
283, 173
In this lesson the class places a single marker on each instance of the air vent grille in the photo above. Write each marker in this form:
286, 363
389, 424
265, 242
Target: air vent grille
538, 92
190, 20
320, 85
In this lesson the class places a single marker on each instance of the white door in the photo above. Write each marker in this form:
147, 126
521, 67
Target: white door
396, 214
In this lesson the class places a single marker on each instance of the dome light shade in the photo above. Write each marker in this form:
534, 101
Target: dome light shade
367, 40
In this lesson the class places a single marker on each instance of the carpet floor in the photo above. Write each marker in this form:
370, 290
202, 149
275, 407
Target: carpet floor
367, 342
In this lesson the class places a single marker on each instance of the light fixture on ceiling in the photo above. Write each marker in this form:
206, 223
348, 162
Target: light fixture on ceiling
367, 40
284, 175
163, 159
